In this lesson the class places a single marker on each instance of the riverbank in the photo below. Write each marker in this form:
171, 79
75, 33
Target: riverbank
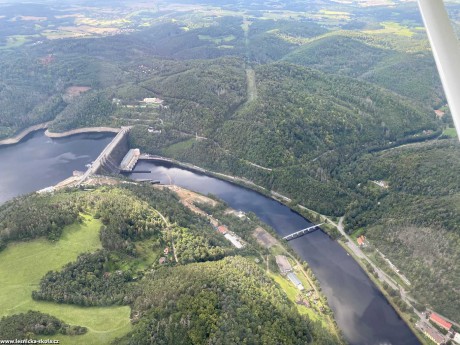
378, 283
243, 182
24, 133
17, 138
50, 134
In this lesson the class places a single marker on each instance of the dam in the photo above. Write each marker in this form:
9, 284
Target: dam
108, 161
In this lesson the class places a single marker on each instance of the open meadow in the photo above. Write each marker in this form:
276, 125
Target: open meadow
24, 264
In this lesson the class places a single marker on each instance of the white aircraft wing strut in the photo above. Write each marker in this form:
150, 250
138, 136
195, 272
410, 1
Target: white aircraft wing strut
446, 51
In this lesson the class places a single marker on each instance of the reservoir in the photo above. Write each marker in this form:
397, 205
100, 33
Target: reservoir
38, 161
361, 311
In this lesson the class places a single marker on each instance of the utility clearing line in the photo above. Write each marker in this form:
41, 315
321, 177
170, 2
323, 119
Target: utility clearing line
251, 84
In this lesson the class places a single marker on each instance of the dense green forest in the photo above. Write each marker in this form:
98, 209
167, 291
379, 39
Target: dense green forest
299, 115
412, 74
217, 301
211, 294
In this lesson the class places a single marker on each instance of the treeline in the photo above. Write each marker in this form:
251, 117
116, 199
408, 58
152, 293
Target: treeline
35, 324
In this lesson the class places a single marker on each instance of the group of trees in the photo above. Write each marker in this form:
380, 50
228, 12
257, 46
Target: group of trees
196, 248
35, 324
36, 216
90, 281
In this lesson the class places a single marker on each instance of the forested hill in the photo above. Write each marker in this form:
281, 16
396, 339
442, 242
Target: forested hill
412, 74
299, 115
303, 113
415, 221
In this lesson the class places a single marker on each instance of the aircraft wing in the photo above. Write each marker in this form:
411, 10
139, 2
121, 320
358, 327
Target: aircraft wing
446, 51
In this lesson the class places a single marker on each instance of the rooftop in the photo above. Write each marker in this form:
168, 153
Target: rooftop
222, 229
434, 335
293, 278
440, 321
283, 264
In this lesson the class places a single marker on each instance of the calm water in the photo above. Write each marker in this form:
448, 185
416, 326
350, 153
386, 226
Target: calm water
361, 311
39, 161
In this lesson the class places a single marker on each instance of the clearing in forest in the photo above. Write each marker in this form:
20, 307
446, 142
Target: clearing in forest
22, 265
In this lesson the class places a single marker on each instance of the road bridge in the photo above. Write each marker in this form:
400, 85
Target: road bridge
104, 156
302, 232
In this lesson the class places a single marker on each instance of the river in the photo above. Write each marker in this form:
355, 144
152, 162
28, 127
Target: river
361, 311
38, 161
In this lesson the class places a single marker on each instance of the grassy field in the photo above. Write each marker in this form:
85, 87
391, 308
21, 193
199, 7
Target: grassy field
24, 264
217, 40
15, 41
178, 148
451, 132
292, 292
393, 28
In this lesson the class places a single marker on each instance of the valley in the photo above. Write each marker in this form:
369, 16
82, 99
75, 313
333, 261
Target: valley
336, 107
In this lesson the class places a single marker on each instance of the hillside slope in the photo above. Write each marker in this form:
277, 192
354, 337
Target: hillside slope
299, 115
413, 75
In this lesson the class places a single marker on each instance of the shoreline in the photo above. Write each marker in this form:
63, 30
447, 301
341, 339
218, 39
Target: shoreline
21, 135
385, 294
81, 131
25, 132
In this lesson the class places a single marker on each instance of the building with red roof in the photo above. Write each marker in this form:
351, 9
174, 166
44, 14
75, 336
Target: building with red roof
222, 229
438, 320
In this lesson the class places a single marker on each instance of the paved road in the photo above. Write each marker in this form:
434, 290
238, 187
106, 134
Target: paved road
381, 274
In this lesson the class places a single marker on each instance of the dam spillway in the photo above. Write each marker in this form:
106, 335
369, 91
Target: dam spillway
110, 158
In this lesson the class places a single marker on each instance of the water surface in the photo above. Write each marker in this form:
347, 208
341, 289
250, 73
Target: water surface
361, 311
38, 161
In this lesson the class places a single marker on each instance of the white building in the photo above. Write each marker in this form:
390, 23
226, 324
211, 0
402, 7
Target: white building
457, 338
293, 278
235, 241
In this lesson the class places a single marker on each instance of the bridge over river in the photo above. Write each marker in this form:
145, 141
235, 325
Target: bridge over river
302, 232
